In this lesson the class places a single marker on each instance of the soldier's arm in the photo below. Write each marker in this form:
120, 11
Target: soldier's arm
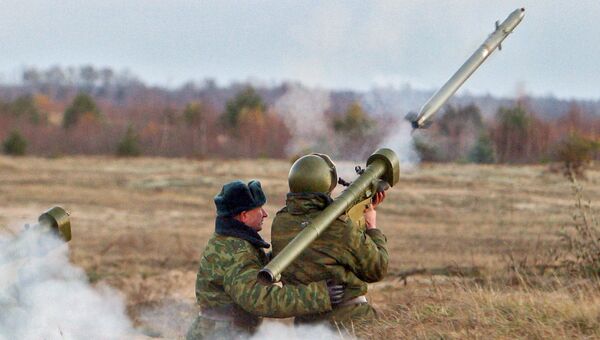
368, 254
241, 285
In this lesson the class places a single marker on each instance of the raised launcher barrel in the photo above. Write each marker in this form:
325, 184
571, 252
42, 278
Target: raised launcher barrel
423, 118
381, 165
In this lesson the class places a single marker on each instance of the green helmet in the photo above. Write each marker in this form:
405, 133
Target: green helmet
313, 173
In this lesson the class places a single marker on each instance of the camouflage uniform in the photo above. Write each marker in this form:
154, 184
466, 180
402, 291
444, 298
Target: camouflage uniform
344, 253
231, 299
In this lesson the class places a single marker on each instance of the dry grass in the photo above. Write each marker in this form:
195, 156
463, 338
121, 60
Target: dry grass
462, 310
141, 224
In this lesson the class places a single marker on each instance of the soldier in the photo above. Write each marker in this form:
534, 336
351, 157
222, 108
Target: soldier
232, 302
345, 253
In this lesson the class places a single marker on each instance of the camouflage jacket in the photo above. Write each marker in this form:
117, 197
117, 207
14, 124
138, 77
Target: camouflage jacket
344, 252
227, 280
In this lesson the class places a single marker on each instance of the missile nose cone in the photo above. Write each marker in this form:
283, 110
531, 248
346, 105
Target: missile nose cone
519, 11
513, 20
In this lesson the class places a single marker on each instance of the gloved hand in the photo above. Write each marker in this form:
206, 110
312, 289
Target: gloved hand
336, 292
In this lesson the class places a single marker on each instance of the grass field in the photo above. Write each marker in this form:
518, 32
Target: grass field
463, 240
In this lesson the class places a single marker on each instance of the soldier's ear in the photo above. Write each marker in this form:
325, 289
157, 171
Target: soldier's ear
242, 217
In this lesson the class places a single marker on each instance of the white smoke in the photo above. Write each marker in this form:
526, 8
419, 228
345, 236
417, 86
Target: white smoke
400, 139
169, 319
397, 102
302, 110
274, 330
44, 296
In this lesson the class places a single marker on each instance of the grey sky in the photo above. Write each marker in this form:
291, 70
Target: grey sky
332, 44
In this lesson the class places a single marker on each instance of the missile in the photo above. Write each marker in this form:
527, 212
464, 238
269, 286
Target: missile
422, 119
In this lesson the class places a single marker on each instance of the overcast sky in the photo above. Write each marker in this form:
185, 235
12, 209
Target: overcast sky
331, 44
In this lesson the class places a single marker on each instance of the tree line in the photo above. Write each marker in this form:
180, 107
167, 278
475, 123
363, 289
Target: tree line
515, 135
99, 111
246, 128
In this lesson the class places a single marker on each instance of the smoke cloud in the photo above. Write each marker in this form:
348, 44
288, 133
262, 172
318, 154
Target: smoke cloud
400, 139
399, 135
271, 330
44, 296
169, 319
302, 110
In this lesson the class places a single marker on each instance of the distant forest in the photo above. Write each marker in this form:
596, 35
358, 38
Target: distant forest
86, 110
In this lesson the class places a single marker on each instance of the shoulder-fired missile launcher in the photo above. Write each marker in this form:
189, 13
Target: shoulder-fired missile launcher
383, 165
382, 171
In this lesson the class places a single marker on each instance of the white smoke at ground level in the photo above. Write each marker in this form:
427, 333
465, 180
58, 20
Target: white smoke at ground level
274, 330
169, 319
44, 296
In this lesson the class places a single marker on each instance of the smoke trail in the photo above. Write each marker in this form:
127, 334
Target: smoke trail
381, 101
43, 296
400, 139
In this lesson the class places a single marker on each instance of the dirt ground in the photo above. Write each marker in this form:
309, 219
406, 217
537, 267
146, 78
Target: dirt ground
140, 225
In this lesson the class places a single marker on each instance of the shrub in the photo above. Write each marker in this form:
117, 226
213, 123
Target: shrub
356, 132
194, 113
248, 99
519, 135
427, 151
82, 105
575, 152
483, 150
129, 144
355, 122
15, 144
25, 107
582, 237
458, 130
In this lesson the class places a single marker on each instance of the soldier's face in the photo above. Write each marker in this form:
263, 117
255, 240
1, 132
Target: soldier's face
254, 218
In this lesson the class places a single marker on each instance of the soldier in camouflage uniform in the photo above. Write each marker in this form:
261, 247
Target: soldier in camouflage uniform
231, 300
346, 253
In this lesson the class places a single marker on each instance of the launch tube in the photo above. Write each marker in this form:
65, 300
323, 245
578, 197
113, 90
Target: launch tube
383, 164
55, 221
58, 220
421, 120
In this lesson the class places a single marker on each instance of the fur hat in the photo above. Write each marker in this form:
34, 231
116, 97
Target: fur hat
237, 196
